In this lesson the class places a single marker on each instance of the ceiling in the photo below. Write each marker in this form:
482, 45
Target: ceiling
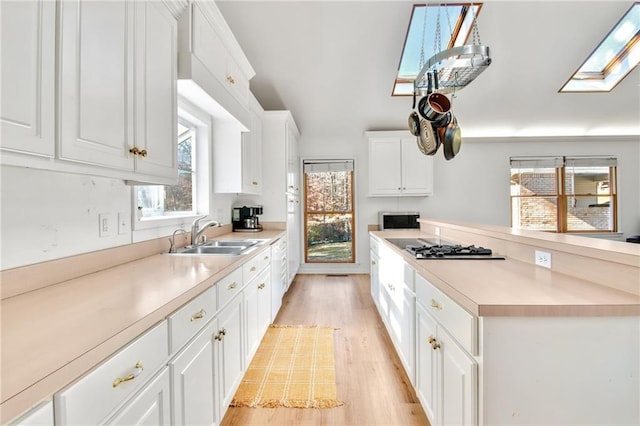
333, 64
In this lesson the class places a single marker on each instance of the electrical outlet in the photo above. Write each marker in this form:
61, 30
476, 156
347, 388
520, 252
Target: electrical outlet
543, 259
436, 231
124, 220
104, 225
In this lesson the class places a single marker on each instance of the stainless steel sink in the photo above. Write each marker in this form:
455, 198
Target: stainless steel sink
220, 247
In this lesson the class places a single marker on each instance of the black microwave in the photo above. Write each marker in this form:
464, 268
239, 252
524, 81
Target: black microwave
398, 220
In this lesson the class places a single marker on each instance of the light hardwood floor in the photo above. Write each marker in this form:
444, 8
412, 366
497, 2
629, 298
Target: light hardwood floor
370, 379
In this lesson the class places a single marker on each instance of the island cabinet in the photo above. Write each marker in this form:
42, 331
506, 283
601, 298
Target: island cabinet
446, 371
508, 342
375, 271
397, 167
397, 306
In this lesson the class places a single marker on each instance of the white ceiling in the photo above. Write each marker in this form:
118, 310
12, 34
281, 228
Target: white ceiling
333, 63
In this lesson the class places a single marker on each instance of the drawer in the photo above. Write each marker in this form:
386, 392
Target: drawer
252, 267
229, 287
91, 399
462, 325
191, 318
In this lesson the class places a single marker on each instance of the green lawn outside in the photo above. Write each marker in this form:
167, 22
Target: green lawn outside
327, 252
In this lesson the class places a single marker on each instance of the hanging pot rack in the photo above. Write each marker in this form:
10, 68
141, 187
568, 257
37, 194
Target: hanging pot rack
453, 68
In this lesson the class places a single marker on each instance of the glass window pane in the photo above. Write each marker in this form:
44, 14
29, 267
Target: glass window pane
583, 214
534, 213
185, 154
179, 198
329, 237
587, 181
539, 181
329, 191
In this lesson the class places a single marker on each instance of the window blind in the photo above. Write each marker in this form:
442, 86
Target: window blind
536, 162
323, 166
587, 161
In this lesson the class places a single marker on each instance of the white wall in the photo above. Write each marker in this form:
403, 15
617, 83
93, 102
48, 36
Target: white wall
48, 215
474, 186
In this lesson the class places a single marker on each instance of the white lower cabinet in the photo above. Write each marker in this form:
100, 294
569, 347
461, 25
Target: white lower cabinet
397, 306
375, 273
42, 415
229, 362
278, 275
95, 397
447, 377
150, 407
257, 302
193, 381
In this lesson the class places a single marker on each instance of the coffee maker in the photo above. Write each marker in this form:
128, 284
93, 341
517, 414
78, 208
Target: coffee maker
245, 219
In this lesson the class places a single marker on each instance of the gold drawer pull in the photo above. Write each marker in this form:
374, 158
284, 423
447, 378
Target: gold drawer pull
391, 287
373, 262
436, 304
232, 285
198, 315
253, 268
261, 286
135, 373
254, 182
230, 79
435, 345
266, 258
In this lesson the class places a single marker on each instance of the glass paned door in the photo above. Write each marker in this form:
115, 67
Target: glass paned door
329, 215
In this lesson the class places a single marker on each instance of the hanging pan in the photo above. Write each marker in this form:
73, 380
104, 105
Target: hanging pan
452, 139
428, 142
414, 123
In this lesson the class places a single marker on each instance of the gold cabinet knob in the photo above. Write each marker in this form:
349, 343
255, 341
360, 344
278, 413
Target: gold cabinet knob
137, 370
198, 315
435, 345
373, 262
432, 339
436, 304
261, 286
143, 153
253, 268
255, 183
134, 150
232, 285
230, 79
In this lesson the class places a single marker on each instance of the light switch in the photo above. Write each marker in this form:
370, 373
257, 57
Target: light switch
124, 223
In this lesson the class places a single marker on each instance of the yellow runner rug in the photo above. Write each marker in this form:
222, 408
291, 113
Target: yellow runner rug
293, 367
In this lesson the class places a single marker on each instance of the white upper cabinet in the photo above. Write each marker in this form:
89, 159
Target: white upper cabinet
237, 155
28, 77
397, 167
212, 64
117, 87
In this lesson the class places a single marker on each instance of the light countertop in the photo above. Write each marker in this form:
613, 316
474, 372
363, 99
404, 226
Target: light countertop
53, 335
514, 288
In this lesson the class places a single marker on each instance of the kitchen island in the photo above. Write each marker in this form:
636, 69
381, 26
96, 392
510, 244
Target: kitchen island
510, 342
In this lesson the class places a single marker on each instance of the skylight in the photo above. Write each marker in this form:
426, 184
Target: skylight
613, 59
455, 26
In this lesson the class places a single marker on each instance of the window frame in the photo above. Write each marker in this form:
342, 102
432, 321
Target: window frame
201, 124
562, 195
306, 212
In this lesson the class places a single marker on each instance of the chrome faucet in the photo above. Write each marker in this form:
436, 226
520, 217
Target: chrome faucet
196, 230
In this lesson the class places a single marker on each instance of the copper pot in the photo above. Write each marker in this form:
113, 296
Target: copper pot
434, 106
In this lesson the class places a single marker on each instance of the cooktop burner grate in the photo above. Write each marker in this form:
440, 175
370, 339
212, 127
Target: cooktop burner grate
451, 252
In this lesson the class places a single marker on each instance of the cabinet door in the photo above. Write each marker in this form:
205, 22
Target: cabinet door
229, 354
39, 416
28, 76
156, 91
426, 363
459, 383
207, 45
96, 74
252, 153
417, 169
149, 407
384, 167
252, 338
264, 302
294, 244
375, 279
406, 333
192, 376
